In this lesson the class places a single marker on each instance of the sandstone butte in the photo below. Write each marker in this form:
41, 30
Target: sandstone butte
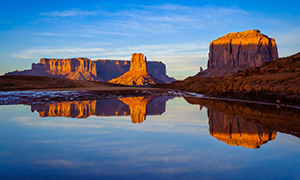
238, 51
137, 74
86, 69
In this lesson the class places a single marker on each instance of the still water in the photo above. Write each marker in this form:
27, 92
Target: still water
149, 138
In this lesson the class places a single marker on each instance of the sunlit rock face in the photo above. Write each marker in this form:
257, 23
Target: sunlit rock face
237, 131
136, 107
75, 68
238, 51
96, 70
137, 74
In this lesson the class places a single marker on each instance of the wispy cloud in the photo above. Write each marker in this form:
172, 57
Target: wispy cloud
68, 13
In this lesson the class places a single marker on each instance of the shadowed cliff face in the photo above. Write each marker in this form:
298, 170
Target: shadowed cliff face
136, 107
238, 51
110, 69
248, 125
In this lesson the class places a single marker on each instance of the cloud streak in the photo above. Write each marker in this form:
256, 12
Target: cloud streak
69, 13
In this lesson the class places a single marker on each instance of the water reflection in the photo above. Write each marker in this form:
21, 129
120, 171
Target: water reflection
235, 123
247, 125
137, 107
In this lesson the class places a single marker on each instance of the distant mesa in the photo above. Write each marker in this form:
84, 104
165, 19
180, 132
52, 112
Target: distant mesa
137, 107
238, 51
138, 74
94, 70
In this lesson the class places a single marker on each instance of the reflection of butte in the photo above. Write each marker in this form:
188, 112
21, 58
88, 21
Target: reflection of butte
137, 107
233, 130
237, 131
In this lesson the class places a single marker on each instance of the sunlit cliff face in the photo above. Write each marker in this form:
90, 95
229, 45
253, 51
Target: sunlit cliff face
238, 51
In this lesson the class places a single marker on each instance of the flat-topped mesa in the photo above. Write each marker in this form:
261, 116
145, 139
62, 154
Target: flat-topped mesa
137, 74
238, 51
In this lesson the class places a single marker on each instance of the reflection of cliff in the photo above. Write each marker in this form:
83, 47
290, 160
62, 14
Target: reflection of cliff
237, 131
82, 109
136, 107
248, 125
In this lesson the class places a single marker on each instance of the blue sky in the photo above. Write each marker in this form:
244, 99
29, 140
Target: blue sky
175, 32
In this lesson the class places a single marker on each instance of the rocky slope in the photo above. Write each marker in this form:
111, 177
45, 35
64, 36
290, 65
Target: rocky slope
137, 74
238, 51
276, 81
12, 83
86, 69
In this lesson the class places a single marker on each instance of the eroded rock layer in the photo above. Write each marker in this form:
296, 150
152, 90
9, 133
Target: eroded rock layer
238, 51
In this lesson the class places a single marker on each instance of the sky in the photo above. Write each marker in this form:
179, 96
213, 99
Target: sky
175, 32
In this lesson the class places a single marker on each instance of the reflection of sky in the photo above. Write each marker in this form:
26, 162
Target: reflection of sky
174, 145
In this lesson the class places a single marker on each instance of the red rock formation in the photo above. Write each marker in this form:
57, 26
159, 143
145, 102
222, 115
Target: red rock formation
238, 51
86, 69
137, 74
76, 68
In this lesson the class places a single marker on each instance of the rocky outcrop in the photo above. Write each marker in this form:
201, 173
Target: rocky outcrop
86, 69
136, 107
238, 51
137, 74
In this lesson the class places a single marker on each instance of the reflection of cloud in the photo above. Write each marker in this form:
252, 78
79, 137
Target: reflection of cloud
65, 163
